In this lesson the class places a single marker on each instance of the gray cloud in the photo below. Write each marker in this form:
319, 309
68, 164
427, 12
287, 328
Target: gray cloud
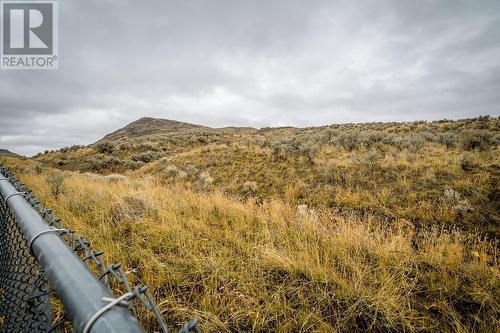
254, 63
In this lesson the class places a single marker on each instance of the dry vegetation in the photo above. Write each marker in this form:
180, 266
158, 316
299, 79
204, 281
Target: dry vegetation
430, 173
375, 227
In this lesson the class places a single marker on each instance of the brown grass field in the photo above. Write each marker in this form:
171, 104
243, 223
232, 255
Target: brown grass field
294, 230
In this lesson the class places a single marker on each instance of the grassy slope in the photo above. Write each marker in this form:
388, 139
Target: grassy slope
440, 173
244, 266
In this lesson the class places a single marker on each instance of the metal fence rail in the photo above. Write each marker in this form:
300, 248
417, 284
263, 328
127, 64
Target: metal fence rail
37, 255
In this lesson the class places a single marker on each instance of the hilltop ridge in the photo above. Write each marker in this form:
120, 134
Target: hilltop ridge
6, 152
149, 125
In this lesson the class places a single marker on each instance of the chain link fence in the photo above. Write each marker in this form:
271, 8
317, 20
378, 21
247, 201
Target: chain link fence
31, 271
25, 303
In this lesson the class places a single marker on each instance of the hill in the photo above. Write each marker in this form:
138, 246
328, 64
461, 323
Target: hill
6, 152
147, 126
441, 172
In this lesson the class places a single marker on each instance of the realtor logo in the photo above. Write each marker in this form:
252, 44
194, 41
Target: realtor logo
29, 34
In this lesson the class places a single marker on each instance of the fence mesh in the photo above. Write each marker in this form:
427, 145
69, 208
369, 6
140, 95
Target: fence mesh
24, 288
24, 297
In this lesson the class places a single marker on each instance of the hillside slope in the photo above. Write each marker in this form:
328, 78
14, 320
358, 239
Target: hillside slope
442, 172
6, 152
274, 267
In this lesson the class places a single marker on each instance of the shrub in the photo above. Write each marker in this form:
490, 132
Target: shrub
331, 173
163, 161
467, 163
212, 160
145, 157
349, 141
191, 171
428, 136
282, 150
125, 146
328, 135
92, 163
38, 169
478, 139
414, 143
368, 139
131, 208
205, 180
371, 158
110, 161
115, 178
455, 200
393, 140
55, 181
250, 187
447, 139
309, 150
105, 148
146, 146
132, 165
171, 171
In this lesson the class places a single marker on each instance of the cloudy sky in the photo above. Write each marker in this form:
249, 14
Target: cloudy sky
254, 63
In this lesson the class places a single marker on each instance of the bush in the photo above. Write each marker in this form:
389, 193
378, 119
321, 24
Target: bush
132, 208
282, 150
125, 146
39, 169
467, 163
110, 161
250, 187
55, 181
105, 148
309, 150
145, 157
371, 158
171, 171
414, 143
205, 180
132, 165
447, 139
92, 163
115, 178
331, 173
393, 140
476, 140
349, 141
191, 171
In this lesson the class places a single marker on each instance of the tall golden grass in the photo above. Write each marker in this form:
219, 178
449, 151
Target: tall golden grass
257, 267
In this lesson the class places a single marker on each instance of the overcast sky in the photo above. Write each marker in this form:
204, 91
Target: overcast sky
254, 63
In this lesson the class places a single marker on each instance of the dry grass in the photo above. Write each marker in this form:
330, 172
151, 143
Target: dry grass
268, 266
394, 171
